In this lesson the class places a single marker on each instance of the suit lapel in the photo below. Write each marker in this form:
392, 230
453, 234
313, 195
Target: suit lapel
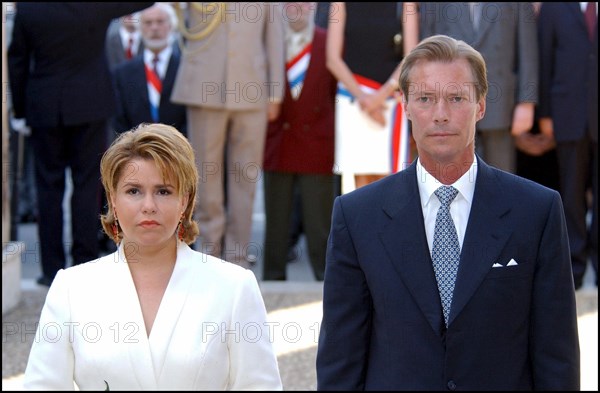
138, 347
138, 78
405, 241
169, 81
487, 233
171, 306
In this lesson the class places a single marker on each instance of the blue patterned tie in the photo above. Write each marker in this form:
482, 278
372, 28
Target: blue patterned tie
446, 249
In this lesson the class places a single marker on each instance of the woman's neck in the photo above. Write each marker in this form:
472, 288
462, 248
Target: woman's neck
150, 257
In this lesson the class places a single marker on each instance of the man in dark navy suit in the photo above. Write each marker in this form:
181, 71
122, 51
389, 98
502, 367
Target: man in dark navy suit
144, 84
451, 274
61, 86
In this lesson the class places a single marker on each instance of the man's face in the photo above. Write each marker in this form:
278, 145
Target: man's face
443, 108
297, 14
156, 26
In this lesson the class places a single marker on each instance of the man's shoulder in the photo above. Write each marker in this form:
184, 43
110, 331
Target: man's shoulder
517, 186
378, 191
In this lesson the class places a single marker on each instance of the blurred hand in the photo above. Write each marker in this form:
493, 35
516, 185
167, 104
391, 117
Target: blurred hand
377, 116
546, 126
373, 106
534, 144
522, 118
273, 111
20, 126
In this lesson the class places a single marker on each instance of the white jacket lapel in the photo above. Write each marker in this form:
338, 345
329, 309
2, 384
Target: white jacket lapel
139, 351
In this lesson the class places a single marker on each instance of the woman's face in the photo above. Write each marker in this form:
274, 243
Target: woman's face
147, 206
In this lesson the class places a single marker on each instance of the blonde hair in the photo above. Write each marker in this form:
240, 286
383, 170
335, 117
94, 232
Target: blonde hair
172, 154
445, 49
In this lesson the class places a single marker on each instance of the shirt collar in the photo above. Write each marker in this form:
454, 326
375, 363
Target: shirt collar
125, 35
163, 55
428, 184
297, 40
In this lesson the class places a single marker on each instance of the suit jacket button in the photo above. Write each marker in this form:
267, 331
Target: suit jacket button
451, 385
306, 127
286, 125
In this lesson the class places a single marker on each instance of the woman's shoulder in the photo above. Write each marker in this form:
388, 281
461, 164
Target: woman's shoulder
211, 266
94, 264
91, 269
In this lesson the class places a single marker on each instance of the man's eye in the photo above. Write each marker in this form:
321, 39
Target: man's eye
423, 100
456, 99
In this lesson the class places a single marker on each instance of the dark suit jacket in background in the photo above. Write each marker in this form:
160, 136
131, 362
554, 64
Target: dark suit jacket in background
569, 72
61, 85
133, 105
510, 328
569, 96
301, 139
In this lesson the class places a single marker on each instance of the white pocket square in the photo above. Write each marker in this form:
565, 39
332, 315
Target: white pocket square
497, 265
512, 262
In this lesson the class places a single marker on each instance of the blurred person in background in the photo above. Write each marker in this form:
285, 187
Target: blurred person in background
568, 35
123, 40
61, 87
365, 44
231, 79
145, 83
298, 158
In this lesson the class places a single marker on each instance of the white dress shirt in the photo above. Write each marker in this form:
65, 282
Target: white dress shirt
125, 35
295, 41
163, 60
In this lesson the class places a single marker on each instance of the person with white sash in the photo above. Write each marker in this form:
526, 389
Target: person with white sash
364, 46
299, 147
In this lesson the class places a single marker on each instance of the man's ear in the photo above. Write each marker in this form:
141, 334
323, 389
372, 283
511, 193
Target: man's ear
404, 102
481, 109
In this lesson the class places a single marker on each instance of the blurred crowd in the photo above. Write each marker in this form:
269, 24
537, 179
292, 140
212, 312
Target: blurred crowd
302, 95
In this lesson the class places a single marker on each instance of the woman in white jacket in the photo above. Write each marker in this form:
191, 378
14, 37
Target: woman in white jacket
155, 315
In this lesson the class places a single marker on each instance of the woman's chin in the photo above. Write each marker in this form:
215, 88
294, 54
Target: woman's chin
151, 239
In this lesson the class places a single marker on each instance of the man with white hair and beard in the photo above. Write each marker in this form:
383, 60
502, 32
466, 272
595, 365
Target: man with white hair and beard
144, 84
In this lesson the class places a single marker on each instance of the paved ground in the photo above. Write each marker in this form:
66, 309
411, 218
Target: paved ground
295, 305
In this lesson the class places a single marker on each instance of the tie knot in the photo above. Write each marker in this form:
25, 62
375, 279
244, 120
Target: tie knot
446, 194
